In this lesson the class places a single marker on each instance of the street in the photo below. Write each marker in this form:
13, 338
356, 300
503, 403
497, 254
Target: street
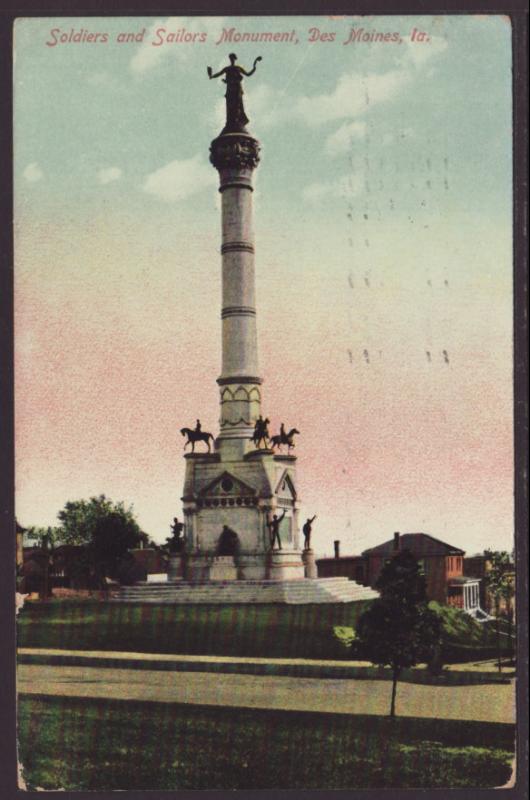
486, 703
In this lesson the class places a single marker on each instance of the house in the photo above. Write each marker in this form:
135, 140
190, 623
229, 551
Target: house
478, 566
442, 565
352, 567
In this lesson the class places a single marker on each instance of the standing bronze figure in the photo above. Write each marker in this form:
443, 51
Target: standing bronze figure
274, 528
236, 119
307, 532
175, 542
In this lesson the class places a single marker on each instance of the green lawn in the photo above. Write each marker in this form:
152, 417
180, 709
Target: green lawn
239, 630
276, 631
77, 744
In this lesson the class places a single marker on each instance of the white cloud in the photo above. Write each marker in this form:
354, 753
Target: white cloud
149, 55
346, 187
266, 105
180, 179
340, 141
353, 95
418, 53
33, 172
109, 174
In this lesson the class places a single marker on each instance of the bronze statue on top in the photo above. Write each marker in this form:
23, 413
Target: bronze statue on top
175, 543
284, 437
196, 435
261, 431
236, 119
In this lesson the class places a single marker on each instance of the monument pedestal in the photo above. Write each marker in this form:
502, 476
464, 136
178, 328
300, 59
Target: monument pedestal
175, 570
223, 568
197, 567
310, 567
285, 565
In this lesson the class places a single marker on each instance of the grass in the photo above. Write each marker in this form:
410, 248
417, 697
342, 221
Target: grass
240, 630
78, 744
268, 631
465, 639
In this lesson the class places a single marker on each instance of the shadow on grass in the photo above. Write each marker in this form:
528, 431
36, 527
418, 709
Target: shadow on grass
322, 671
86, 744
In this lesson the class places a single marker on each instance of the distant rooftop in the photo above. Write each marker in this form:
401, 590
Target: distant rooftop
420, 544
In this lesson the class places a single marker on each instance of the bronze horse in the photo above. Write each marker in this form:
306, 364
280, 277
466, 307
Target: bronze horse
287, 438
196, 436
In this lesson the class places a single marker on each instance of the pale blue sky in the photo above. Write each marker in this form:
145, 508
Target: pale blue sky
83, 107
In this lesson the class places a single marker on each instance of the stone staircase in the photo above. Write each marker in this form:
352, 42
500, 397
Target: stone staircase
294, 592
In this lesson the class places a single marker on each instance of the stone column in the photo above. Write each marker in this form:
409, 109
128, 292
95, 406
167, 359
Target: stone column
235, 156
310, 567
176, 567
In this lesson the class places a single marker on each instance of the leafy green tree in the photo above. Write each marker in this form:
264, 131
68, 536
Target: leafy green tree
106, 530
45, 540
40, 535
499, 583
398, 629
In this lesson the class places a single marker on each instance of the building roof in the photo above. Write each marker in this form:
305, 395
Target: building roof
340, 558
419, 544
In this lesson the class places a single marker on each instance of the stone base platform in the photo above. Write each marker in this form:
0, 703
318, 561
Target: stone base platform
290, 592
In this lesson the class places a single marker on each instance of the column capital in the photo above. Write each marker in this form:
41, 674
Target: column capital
235, 151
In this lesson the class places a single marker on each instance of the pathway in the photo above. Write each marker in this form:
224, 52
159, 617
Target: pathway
487, 703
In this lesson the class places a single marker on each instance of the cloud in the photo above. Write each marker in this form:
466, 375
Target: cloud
340, 141
267, 105
149, 55
180, 179
346, 187
109, 174
353, 95
33, 172
418, 54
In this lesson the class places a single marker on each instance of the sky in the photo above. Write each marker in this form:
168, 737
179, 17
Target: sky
383, 231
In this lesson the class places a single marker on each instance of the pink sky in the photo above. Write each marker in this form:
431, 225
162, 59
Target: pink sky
112, 359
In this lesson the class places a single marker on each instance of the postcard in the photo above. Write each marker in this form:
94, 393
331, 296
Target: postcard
264, 402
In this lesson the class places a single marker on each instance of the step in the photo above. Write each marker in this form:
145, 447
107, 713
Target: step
296, 592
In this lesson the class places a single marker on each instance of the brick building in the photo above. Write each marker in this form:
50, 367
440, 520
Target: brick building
442, 564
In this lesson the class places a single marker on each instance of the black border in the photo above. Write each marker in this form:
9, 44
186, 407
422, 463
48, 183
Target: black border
518, 13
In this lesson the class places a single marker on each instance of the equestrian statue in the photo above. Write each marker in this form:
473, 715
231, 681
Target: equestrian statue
284, 437
197, 435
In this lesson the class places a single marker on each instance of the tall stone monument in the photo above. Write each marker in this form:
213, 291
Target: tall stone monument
239, 496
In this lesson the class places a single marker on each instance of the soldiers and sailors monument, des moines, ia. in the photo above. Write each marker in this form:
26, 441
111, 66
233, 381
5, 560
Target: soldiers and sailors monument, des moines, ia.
241, 533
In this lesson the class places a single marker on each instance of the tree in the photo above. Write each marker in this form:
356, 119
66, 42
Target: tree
46, 540
105, 529
398, 629
499, 583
